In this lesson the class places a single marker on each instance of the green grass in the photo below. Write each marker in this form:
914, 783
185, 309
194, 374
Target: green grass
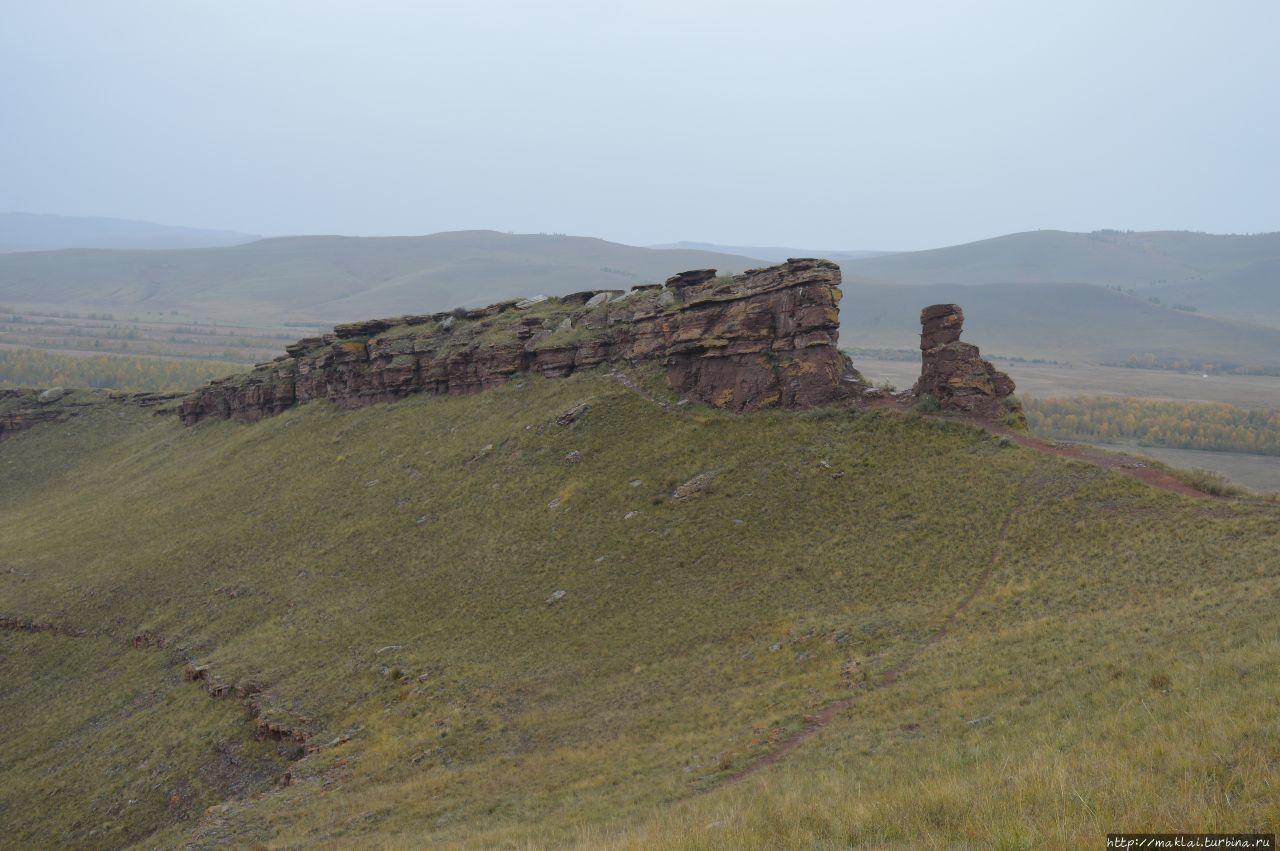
386, 573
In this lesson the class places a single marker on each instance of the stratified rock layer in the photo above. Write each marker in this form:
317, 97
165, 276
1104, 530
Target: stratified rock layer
954, 373
23, 408
764, 338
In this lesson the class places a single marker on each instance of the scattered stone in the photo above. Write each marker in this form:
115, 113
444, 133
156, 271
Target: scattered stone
556, 597
53, 394
566, 324
574, 414
775, 647
525, 304
692, 278
555, 503
692, 488
635, 483
600, 298
573, 457
389, 648
737, 522
421, 520
629, 515
838, 474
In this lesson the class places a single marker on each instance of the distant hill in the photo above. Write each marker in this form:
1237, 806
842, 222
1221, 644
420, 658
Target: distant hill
338, 278
1055, 321
772, 253
1230, 276
1113, 258
37, 232
1249, 292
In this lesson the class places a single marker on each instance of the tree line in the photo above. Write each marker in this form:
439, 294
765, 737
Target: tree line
1149, 422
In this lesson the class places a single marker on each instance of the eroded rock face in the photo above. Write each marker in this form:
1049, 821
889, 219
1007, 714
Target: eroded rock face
764, 338
955, 374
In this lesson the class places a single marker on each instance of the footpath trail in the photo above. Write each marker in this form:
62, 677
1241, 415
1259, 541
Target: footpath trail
814, 723
1126, 464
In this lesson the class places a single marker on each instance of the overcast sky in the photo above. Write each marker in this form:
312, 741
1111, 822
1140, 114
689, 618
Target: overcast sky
820, 124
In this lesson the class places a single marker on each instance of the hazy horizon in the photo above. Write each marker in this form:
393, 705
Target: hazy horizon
824, 125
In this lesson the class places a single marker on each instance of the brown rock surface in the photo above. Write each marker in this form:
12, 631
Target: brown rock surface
954, 373
764, 338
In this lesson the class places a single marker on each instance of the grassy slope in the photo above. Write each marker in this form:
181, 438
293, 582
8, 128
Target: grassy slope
337, 278
295, 551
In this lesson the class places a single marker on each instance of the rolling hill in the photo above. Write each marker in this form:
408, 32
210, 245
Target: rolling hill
335, 278
1110, 258
327, 279
773, 253
461, 623
1250, 293
41, 232
1073, 322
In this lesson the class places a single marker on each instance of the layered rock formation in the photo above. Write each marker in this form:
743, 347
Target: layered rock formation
22, 408
954, 373
763, 338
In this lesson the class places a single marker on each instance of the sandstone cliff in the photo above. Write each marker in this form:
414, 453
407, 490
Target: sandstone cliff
955, 374
764, 338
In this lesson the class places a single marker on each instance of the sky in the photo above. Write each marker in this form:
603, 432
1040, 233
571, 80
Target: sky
850, 125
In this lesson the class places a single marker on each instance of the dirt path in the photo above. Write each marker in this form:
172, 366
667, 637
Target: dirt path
1126, 464
814, 723
1118, 462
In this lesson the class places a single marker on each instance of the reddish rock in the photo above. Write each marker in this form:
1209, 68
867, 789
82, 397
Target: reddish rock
954, 373
764, 338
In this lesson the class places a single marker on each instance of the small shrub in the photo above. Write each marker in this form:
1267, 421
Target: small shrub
926, 404
1160, 682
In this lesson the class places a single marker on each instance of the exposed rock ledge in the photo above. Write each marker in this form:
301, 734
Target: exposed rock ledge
764, 338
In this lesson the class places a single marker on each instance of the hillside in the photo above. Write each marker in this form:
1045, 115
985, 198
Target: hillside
491, 628
335, 278
1250, 293
1110, 258
772, 253
40, 232
1066, 322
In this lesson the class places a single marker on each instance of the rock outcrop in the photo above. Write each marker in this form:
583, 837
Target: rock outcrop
954, 374
23, 408
764, 338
